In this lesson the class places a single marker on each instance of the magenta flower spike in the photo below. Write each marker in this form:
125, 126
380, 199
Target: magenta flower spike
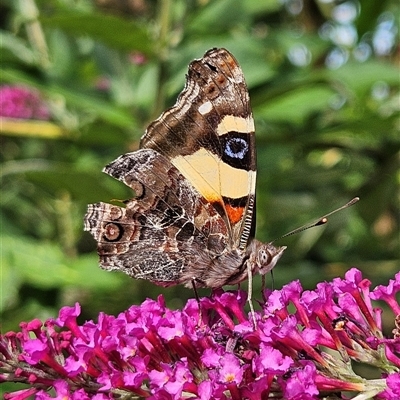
305, 346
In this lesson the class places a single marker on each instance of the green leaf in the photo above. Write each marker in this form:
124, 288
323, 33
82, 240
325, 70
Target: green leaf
261, 7
45, 266
218, 17
88, 185
116, 32
296, 105
17, 46
361, 76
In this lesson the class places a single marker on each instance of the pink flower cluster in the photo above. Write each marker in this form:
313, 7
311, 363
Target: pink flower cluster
304, 347
22, 102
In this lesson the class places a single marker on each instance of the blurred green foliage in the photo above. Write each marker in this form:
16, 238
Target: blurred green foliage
326, 106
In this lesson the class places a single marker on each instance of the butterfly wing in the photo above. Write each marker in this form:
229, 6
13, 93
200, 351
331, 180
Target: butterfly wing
167, 227
208, 135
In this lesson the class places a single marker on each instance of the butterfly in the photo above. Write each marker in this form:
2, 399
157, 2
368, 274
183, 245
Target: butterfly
192, 219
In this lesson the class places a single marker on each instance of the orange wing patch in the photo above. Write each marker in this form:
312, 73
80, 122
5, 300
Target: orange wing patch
235, 214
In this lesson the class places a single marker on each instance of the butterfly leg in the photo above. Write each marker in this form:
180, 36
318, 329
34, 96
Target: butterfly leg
263, 285
249, 294
263, 288
196, 295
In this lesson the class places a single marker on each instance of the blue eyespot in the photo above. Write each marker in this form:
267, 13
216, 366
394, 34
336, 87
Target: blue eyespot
236, 148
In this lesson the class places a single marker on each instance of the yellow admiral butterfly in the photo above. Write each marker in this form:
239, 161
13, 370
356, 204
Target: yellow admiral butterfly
192, 220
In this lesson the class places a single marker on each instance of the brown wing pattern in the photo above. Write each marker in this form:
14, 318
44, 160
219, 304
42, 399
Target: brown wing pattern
164, 228
209, 136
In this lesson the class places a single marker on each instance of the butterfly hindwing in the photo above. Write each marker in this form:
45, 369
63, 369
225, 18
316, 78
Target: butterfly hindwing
167, 225
209, 136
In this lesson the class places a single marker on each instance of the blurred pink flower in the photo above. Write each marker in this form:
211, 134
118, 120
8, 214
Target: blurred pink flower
22, 102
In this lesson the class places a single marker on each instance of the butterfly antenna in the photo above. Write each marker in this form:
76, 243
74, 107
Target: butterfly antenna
320, 221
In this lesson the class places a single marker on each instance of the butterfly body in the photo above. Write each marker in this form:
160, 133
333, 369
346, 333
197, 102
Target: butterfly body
192, 218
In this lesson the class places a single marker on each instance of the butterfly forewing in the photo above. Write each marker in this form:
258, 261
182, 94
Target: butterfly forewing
209, 136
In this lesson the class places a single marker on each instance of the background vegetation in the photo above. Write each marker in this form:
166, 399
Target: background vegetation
324, 83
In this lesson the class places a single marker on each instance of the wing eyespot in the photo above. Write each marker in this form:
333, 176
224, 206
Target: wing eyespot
112, 232
236, 147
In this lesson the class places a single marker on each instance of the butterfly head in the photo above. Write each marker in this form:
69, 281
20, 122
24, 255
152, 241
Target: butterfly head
266, 255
